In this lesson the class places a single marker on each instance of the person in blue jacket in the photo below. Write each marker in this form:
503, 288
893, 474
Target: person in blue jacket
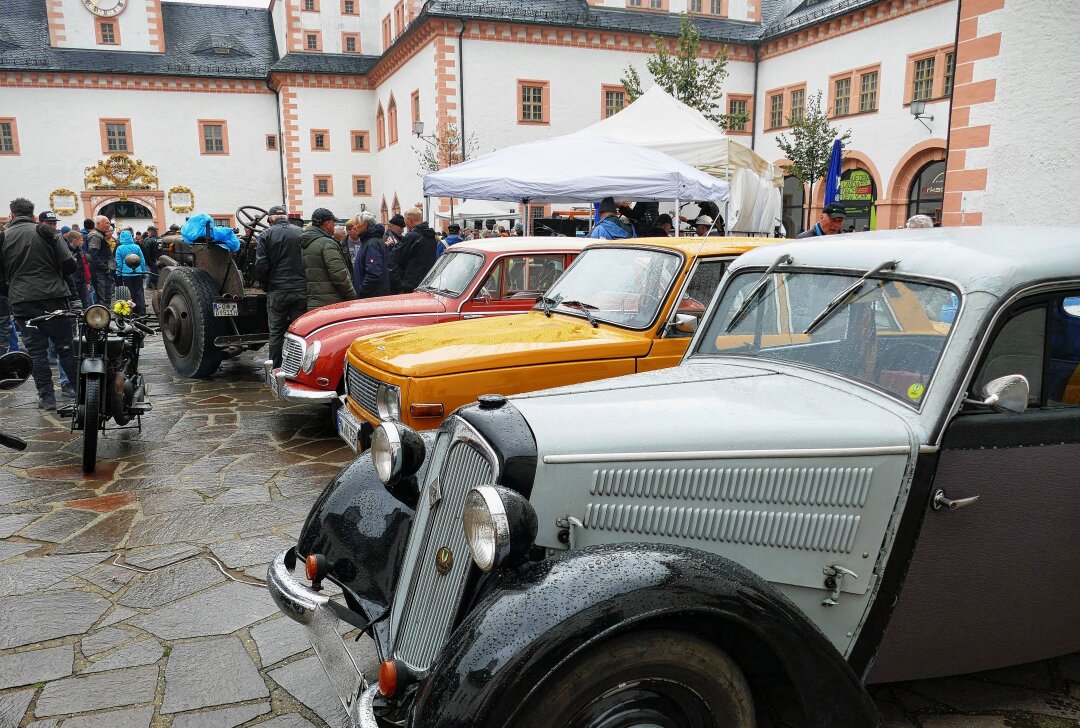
371, 268
453, 237
611, 227
132, 277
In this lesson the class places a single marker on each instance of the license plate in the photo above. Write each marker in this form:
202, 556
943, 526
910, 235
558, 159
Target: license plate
226, 309
339, 665
348, 428
271, 382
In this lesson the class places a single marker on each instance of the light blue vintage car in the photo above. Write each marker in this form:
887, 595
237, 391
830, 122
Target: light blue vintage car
864, 470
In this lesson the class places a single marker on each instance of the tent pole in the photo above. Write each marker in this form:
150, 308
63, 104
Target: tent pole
528, 217
677, 221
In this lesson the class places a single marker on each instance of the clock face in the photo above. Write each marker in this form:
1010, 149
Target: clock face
105, 8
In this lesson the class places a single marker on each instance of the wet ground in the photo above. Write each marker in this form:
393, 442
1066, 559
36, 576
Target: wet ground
135, 597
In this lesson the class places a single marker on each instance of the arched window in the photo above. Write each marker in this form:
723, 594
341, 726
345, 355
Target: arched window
927, 193
858, 195
380, 128
384, 212
794, 210
391, 119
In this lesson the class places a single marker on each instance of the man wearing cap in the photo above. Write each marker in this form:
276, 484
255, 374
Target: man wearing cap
610, 226
453, 236
102, 263
279, 265
34, 263
830, 223
705, 226
326, 265
151, 248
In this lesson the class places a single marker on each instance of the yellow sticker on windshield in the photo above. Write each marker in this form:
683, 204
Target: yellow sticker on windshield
915, 391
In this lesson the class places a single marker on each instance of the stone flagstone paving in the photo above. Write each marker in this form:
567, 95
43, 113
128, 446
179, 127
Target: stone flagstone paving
135, 597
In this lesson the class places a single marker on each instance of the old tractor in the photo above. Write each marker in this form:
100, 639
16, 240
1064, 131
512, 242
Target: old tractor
207, 299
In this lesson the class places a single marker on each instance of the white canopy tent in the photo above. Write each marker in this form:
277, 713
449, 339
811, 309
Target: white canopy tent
575, 168
482, 210
657, 120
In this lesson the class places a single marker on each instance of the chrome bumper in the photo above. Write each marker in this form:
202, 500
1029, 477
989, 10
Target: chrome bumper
279, 386
311, 609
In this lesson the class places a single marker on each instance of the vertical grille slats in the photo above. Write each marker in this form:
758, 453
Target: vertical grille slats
362, 389
292, 353
432, 599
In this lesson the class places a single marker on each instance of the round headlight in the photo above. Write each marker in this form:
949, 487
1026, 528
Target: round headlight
388, 402
396, 452
499, 523
310, 355
97, 317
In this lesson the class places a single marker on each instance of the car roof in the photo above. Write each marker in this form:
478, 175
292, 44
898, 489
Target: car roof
523, 245
695, 247
994, 260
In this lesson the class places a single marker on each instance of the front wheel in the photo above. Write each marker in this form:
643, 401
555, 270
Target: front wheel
91, 424
661, 678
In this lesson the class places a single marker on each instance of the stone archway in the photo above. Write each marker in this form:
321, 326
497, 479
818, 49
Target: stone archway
153, 200
894, 209
119, 178
853, 159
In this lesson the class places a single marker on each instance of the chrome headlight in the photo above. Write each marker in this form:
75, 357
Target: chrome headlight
499, 524
97, 317
396, 452
310, 355
388, 402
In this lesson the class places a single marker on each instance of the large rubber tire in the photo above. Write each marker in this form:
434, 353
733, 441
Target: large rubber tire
91, 424
121, 293
187, 323
657, 677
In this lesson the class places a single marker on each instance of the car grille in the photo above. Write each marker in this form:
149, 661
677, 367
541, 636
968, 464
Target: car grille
291, 355
362, 389
427, 602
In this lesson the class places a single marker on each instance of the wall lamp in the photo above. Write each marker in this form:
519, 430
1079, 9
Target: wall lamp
918, 110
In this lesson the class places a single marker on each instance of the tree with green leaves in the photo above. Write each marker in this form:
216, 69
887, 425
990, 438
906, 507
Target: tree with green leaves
810, 144
694, 80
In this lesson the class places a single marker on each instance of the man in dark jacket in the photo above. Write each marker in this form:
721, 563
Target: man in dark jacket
371, 271
326, 265
416, 252
280, 267
151, 247
102, 262
34, 262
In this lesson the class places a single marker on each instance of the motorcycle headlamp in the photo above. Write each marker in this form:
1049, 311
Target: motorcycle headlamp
97, 317
388, 402
311, 354
499, 525
396, 452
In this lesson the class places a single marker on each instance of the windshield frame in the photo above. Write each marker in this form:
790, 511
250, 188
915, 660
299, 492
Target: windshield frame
468, 286
693, 352
578, 313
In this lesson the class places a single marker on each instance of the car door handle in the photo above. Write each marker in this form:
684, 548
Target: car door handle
473, 316
942, 501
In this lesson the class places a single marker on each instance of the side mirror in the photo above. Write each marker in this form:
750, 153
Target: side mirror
1006, 394
684, 323
15, 368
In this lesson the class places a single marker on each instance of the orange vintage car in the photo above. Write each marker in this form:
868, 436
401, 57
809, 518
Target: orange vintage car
621, 308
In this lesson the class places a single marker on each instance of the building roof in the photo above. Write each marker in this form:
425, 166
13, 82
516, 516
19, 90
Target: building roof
188, 29
198, 36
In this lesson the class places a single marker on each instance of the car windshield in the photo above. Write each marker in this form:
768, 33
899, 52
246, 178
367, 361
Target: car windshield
887, 333
452, 273
621, 286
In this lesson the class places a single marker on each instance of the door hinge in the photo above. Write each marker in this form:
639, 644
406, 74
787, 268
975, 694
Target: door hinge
834, 578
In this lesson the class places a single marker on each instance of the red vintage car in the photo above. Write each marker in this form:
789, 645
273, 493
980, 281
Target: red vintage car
470, 280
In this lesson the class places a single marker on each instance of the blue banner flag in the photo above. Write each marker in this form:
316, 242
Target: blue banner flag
832, 181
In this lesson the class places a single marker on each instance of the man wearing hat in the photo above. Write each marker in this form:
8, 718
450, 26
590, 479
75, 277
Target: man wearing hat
326, 265
610, 227
830, 223
453, 236
705, 226
279, 265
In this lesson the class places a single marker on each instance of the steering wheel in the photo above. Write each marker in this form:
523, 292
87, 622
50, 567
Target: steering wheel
251, 217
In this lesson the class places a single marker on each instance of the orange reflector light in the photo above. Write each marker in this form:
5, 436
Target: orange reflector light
388, 678
311, 567
426, 410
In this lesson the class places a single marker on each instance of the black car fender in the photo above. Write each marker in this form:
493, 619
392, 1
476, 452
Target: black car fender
536, 619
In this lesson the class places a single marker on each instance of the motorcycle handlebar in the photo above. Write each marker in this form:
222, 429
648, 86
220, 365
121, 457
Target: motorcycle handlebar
143, 328
10, 441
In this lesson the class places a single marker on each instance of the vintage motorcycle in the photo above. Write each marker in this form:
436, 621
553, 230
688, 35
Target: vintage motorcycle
110, 386
15, 368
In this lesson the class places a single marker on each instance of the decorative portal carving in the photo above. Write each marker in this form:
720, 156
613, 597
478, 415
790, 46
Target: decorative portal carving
181, 199
121, 172
63, 201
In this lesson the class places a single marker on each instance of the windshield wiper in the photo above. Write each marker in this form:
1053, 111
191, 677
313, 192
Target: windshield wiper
755, 293
846, 295
546, 303
585, 307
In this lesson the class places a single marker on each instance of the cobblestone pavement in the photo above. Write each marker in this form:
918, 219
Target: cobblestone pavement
135, 597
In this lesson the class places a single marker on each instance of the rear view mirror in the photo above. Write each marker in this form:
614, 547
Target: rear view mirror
684, 323
15, 368
1007, 394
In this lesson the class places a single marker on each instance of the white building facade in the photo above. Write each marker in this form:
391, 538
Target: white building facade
153, 111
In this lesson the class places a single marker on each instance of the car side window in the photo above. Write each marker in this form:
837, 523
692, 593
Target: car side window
1017, 349
492, 287
695, 298
533, 273
1063, 353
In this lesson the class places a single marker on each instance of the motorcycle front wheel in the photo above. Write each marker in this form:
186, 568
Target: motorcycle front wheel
91, 423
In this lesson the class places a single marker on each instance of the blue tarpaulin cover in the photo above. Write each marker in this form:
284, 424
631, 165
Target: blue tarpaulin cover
195, 229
